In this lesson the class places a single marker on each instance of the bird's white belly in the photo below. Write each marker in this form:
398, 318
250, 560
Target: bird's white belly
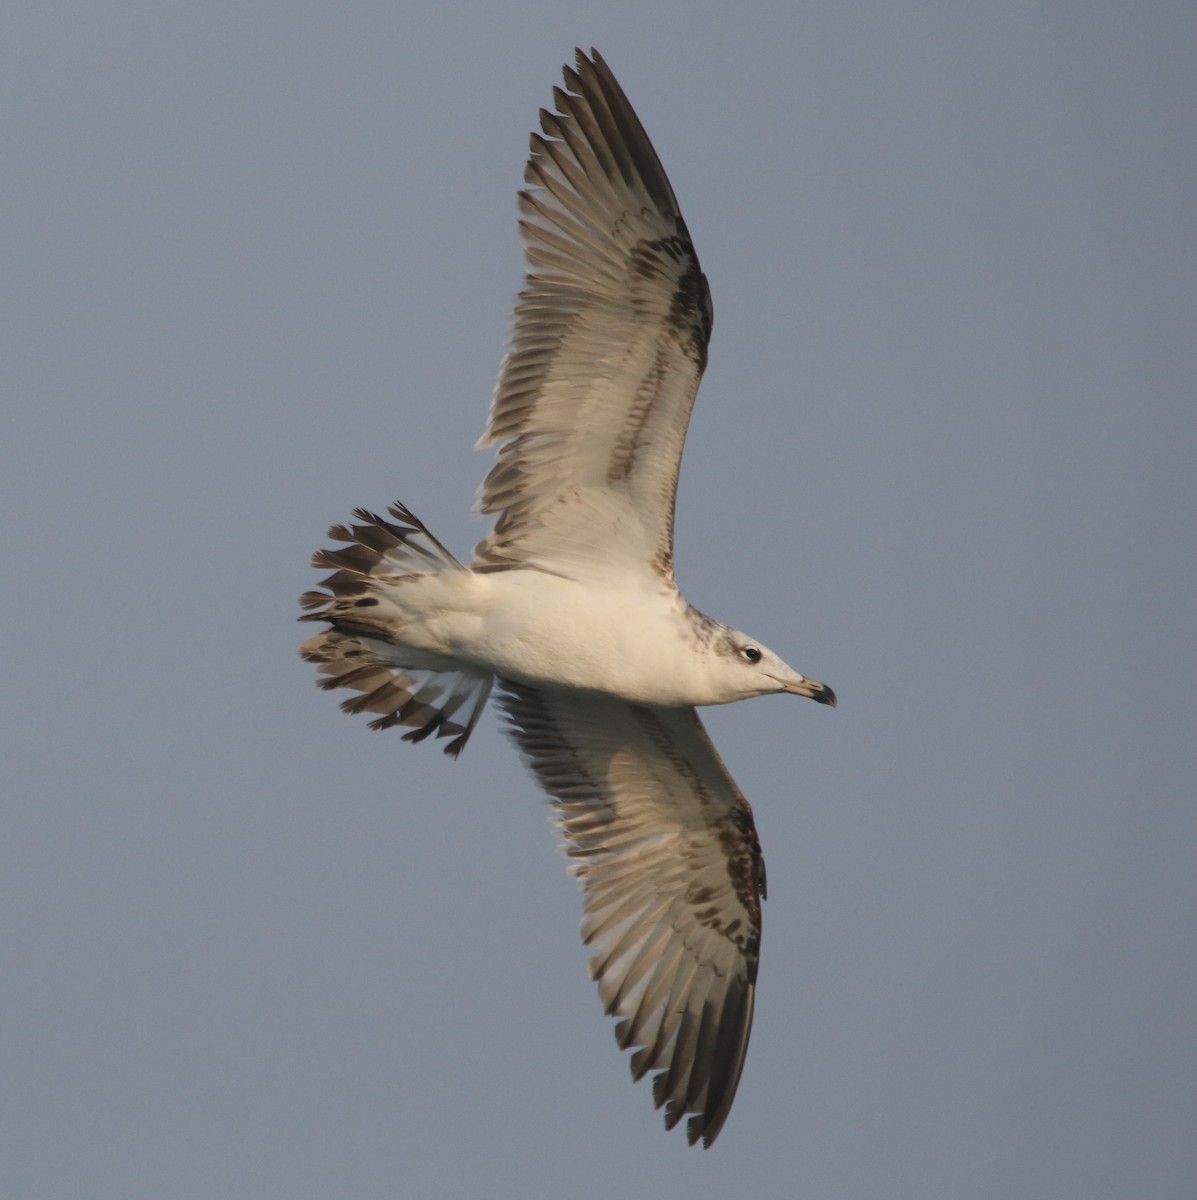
541, 629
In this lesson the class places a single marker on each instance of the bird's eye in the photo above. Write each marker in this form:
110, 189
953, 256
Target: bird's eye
751, 653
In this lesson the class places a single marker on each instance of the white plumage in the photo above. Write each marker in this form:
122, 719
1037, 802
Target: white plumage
571, 608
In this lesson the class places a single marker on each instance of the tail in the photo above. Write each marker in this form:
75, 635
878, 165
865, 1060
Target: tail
362, 649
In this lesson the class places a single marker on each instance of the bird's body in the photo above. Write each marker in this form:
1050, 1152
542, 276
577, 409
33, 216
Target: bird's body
523, 626
571, 609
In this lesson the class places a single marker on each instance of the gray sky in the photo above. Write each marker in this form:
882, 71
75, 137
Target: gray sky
258, 264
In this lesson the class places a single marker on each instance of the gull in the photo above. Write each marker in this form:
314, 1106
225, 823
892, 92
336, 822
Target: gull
569, 609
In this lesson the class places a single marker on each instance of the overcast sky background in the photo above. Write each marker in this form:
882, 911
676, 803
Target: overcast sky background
258, 261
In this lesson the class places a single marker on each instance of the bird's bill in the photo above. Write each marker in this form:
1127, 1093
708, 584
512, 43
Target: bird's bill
811, 688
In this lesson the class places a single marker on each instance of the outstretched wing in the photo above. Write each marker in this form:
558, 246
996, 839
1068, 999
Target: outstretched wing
609, 344
668, 856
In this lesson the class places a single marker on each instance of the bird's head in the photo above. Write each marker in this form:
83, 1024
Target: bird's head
746, 668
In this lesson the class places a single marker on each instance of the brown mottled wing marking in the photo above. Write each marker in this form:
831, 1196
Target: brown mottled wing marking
668, 856
609, 344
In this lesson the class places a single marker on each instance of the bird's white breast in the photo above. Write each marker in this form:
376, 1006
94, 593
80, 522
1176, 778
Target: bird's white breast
629, 641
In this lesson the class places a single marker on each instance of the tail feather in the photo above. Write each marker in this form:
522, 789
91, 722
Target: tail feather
362, 650
377, 549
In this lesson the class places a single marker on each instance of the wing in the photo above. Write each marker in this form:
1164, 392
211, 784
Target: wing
609, 343
668, 856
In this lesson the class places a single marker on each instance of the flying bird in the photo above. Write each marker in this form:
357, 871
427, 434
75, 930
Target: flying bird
570, 612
